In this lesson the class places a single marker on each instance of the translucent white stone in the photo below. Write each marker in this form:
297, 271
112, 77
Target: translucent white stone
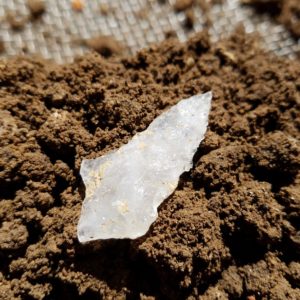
125, 187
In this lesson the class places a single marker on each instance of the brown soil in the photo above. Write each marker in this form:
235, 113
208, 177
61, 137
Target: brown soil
36, 8
286, 12
104, 45
181, 5
189, 19
16, 21
231, 228
105, 9
2, 46
187, 6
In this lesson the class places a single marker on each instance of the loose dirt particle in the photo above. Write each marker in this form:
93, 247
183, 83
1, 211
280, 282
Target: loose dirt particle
77, 5
2, 47
104, 45
36, 7
189, 19
104, 9
16, 21
181, 5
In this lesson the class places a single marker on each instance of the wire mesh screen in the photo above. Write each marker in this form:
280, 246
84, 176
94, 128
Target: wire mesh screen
134, 23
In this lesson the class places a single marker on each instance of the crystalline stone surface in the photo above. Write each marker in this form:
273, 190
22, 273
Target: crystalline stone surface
125, 187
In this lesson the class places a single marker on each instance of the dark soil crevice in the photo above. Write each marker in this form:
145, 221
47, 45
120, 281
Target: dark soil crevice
277, 178
9, 189
65, 155
34, 232
244, 247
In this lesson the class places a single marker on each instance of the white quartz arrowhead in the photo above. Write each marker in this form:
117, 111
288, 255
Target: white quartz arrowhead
125, 187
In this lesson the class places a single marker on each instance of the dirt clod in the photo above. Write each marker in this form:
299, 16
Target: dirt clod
181, 5
36, 7
16, 21
104, 45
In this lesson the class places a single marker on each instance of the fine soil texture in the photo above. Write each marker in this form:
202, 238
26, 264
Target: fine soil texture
231, 230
